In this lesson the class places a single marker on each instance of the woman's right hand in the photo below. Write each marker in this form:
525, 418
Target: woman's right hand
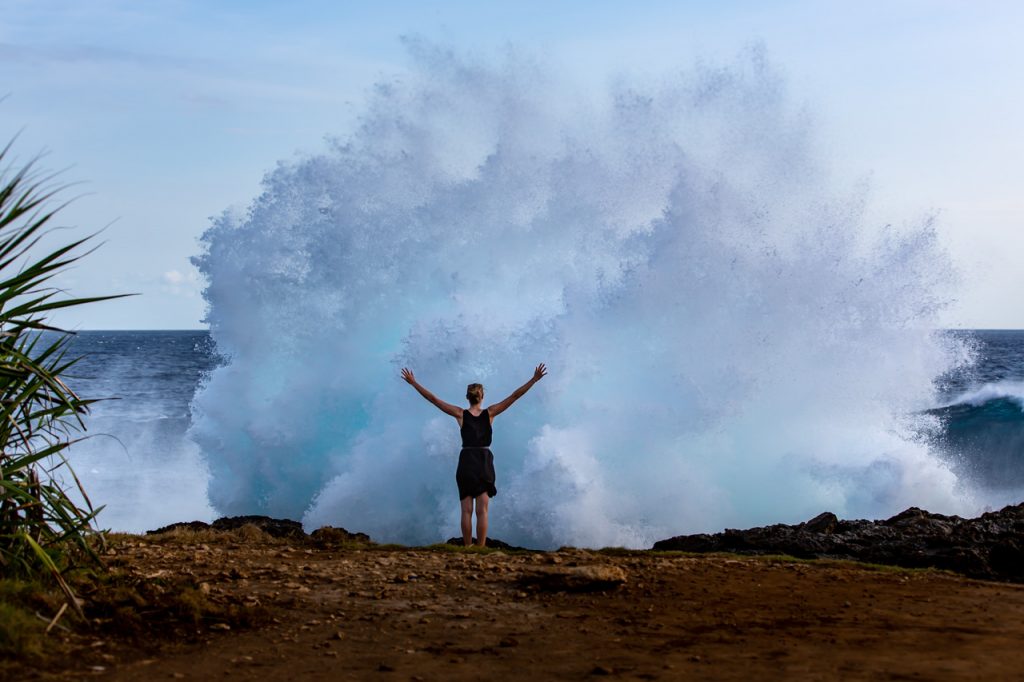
408, 376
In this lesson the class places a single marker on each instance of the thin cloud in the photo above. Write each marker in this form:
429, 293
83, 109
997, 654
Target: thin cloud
94, 54
179, 283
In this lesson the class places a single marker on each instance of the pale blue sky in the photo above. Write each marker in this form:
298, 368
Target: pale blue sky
172, 111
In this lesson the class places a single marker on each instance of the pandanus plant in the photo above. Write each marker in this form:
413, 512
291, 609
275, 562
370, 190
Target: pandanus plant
42, 528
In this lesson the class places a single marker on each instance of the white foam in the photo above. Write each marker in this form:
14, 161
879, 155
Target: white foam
1010, 390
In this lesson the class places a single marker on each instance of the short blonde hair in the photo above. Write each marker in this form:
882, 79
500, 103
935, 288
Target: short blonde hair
474, 393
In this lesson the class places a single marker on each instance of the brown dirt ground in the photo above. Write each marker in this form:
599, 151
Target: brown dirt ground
430, 614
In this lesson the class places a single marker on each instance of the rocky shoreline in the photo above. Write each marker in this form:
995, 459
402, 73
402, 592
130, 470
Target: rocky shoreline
989, 547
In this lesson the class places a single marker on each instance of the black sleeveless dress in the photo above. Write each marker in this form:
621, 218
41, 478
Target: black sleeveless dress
475, 475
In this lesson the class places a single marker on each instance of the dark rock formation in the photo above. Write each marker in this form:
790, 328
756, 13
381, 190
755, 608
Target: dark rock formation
990, 546
491, 542
181, 525
329, 535
279, 528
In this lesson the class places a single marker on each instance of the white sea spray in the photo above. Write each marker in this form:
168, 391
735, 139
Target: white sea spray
729, 343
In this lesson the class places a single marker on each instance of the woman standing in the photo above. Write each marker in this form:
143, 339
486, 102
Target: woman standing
475, 474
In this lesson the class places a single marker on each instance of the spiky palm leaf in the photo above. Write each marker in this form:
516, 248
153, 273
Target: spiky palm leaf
41, 526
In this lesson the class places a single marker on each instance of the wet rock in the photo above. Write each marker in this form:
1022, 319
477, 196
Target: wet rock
990, 546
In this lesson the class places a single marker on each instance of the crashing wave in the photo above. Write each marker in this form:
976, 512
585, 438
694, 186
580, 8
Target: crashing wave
730, 344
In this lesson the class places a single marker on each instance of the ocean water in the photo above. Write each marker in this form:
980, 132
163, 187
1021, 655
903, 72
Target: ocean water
140, 463
137, 460
981, 412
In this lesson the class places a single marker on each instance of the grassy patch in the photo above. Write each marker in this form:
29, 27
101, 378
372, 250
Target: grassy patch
787, 559
881, 568
474, 549
622, 551
21, 632
248, 534
460, 549
25, 608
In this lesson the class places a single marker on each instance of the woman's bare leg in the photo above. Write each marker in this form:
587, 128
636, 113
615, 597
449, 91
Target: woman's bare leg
481, 519
467, 520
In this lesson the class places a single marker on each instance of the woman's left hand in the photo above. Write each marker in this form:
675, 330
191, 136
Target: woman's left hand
408, 376
539, 373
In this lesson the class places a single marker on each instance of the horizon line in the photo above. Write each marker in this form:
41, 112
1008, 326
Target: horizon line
206, 329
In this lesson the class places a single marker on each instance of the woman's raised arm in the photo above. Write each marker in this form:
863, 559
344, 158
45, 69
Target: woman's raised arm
447, 408
497, 408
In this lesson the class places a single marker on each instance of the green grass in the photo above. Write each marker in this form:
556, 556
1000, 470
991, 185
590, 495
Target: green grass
780, 559
21, 632
25, 608
444, 547
247, 534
